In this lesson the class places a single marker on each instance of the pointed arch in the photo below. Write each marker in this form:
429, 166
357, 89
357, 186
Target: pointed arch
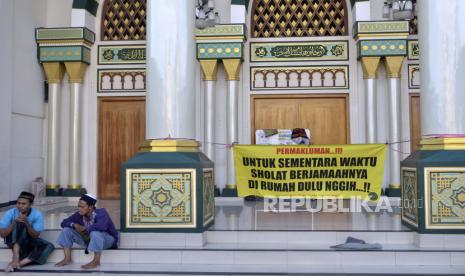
123, 20
298, 18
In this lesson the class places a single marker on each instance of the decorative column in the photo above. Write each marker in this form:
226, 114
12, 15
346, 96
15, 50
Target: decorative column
76, 72
63, 49
370, 69
384, 40
209, 71
169, 185
225, 43
393, 66
232, 68
432, 184
54, 72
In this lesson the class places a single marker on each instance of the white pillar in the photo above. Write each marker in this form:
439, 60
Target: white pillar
232, 128
393, 68
170, 100
370, 111
209, 147
75, 136
53, 135
209, 71
54, 72
442, 61
232, 68
394, 136
76, 72
370, 68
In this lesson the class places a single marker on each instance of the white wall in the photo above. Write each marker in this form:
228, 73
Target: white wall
6, 81
22, 107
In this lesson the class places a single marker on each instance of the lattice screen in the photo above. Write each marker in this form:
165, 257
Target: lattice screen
299, 18
123, 20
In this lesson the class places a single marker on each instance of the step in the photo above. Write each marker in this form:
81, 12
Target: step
325, 238
249, 270
291, 238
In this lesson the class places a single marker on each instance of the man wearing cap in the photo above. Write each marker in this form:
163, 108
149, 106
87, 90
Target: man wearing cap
88, 227
21, 227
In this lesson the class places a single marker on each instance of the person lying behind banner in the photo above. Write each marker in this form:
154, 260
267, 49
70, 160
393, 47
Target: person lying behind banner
299, 136
89, 227
21, 227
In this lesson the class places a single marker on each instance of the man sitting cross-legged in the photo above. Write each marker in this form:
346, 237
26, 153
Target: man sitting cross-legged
89, 227
21, 227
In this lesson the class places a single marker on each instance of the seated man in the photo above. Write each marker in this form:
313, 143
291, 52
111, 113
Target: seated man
20, 227
89, 227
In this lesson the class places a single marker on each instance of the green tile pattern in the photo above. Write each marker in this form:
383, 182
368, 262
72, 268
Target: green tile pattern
391, 47
219, 50
64, 54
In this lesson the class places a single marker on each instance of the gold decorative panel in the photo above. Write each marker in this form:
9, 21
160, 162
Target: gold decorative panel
208, 196
123, 20
445, 198
160, 198
409, 190
299, 18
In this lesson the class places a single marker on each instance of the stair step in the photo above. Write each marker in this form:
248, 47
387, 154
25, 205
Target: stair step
257, 269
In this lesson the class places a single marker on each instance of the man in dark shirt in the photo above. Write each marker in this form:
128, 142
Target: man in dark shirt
89, 227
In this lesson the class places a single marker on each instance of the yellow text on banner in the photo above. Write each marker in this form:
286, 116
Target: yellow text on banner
310, 171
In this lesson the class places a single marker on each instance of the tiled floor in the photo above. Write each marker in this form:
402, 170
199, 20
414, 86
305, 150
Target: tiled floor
239, 215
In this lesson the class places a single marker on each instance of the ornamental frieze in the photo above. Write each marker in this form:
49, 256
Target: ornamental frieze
122, 54
299, 51
299, 77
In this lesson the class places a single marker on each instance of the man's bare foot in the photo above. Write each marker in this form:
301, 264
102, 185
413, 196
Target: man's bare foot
9, 267
92, 264
63, 262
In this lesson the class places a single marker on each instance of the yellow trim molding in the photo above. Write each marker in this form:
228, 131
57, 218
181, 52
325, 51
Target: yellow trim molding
64, 42
393, 66
232, 68
221, 38
370, 67
209, 69
442, 144
381, 35
231, 186
54, 71
172, 145
394, 186
74, 186
53, 186
76, 71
